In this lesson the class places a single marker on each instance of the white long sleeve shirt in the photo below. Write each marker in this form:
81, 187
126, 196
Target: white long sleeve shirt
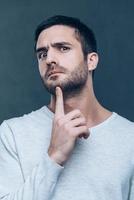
99, 168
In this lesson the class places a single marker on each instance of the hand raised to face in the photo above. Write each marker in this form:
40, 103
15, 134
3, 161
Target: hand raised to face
66, 129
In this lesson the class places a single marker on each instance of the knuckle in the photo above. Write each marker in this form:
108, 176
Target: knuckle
83, 119
77, 111
66, 127
75, 134
85, 129
58, 121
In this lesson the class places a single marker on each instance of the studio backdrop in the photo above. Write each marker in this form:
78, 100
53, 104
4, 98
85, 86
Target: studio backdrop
21, 89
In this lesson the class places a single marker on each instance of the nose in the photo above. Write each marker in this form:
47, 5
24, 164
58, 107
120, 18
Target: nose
51, 57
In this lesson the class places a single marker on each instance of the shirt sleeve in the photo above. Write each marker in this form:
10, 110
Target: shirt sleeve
39, 185
131, 193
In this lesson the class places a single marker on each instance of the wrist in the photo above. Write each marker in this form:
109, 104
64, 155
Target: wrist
57, 157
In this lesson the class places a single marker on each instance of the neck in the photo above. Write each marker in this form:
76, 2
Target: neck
87, 103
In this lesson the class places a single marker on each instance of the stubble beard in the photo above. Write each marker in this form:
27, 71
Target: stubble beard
71, 85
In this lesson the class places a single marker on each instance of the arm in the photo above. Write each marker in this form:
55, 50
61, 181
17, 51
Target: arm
40, 183
131, 194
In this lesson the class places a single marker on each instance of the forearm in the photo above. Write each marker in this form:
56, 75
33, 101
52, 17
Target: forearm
39, 185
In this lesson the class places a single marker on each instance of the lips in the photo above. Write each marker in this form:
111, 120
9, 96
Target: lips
53, 72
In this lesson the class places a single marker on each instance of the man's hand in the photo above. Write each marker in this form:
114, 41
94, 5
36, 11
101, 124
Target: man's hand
66, 129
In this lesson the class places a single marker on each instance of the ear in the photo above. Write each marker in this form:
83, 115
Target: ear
92, 61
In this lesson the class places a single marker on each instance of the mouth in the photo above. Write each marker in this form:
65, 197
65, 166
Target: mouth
54, 73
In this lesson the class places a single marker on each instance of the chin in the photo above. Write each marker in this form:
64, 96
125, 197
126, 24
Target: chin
51, 88
55, 82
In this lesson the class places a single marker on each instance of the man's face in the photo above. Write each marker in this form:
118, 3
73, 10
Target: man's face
61, 60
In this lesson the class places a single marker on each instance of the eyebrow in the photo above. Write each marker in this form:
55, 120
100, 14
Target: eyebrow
57, 44
41, 49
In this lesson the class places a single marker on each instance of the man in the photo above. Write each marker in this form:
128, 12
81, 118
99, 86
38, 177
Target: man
73, 148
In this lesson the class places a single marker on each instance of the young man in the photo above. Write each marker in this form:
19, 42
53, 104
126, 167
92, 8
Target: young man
73, 148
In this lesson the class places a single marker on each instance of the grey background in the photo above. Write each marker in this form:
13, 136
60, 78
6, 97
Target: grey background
21, 89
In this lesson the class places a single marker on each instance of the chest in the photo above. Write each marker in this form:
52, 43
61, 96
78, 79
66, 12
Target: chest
95, 172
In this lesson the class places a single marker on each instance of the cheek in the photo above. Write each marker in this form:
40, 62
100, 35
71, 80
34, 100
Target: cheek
42, 68
76, 57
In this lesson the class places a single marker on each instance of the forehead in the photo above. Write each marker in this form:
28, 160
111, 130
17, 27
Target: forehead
57, 33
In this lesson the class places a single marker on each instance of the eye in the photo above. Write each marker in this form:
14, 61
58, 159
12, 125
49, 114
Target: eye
64, 48
42, 55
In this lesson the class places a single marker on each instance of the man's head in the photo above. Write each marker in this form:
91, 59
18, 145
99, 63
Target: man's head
83, 33
64, 44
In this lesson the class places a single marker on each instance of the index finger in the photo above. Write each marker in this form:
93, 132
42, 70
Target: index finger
59, 106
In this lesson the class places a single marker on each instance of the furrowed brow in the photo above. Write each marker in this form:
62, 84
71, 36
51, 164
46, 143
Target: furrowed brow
57, 44
41, 49
61, 44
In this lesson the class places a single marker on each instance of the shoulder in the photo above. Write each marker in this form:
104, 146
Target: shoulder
27, 123
123, 123
33, 117
122, 129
